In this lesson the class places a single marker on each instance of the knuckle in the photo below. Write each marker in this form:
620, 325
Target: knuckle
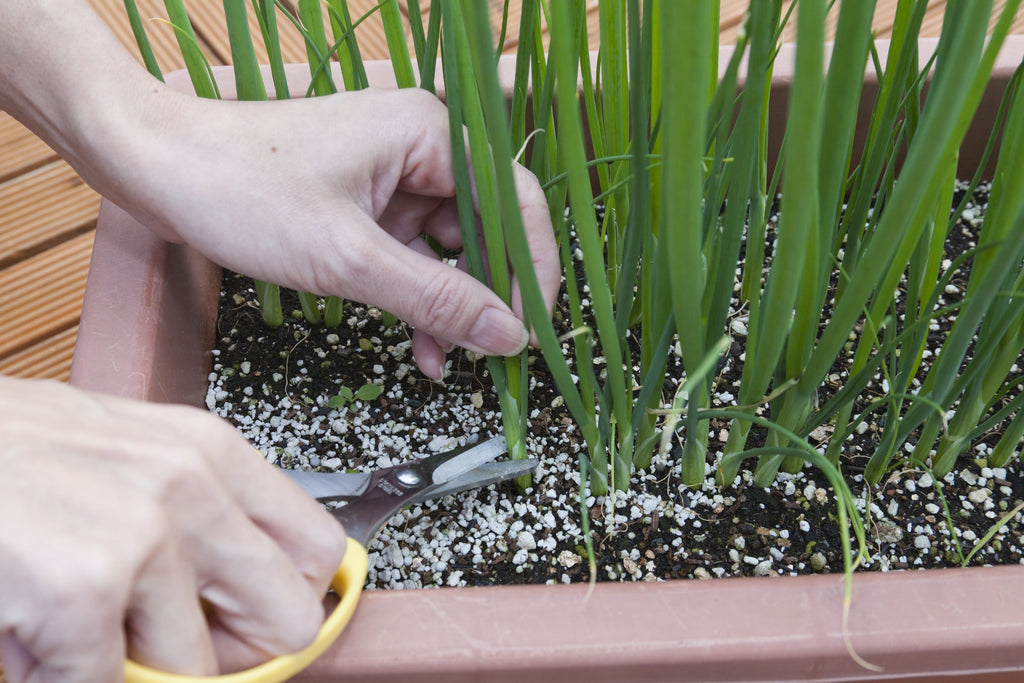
97, 588
344, 264
307, 620
195, 431
88, 595
184, 473
53, 587
96, 576
324, 553
445, 298
421, 98
150, 527
178, 469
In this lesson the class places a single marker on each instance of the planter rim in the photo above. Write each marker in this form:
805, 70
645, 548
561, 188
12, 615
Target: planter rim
915, 624
736, 629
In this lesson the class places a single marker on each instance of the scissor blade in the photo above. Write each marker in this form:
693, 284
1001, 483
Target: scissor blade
483, 475
330, 485
468, 460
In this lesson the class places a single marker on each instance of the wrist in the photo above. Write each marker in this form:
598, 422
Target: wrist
125, 146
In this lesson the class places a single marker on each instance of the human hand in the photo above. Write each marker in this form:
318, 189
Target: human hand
118, 516
331, 195
335, 195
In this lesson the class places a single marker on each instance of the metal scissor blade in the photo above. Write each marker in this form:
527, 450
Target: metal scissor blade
483, 475
364, 516
326, 486
452, 467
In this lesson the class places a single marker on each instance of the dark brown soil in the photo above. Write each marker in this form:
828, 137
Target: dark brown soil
659, 530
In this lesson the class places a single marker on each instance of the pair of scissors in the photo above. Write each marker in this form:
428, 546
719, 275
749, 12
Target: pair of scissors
373, 499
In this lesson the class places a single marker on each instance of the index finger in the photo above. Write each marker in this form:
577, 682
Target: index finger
307, 534
540, 238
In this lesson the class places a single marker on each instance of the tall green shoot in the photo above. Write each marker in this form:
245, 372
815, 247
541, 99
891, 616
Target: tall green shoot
467, 56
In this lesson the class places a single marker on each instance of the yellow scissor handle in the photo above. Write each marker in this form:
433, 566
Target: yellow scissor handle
348, 583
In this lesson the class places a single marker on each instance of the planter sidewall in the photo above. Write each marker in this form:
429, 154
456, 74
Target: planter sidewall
147, 330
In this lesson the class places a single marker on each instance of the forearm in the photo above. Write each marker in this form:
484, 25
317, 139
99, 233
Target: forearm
65, 76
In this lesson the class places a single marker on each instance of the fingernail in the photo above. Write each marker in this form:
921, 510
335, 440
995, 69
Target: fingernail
498, 333
442, 372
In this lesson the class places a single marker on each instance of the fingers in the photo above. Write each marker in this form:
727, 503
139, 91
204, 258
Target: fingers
234, 572
310, 538
243, 527
434, 297
164, 623
409, 217
80, 569
18, 663
414, 217
427, 173
49, 633
429, 354
540, 237
142, 510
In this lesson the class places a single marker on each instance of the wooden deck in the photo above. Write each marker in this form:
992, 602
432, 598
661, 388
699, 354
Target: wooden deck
48, 215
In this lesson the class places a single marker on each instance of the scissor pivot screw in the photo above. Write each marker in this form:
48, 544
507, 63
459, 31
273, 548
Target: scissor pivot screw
408, 477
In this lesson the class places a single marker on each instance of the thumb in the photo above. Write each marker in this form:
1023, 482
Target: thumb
440, 300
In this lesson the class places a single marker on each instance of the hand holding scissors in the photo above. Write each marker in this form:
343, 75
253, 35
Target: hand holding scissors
373, 499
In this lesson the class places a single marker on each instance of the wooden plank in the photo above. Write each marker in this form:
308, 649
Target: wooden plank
43, 294
370, 33
293, 45
41, 208
734, 11
731, 14
49, 359
20, 150
210, 24
511, 42
154, 16
208, 18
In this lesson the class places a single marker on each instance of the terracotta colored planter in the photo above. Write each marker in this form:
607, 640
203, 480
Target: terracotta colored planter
142, 339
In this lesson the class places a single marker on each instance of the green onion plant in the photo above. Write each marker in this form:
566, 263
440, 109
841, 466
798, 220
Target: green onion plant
654, 151
840, 291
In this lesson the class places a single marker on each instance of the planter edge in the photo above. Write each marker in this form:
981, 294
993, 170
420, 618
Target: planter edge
968, 622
